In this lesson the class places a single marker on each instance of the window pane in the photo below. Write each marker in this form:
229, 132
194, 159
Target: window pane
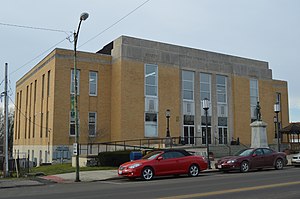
93, 83
221, 89
204, 95
151, 90
150, 70
188, 75
204, 87
188, 95
93, 89
188, 85
151, 117
222, 98
221, 79
151, 80
204, 77
150, 130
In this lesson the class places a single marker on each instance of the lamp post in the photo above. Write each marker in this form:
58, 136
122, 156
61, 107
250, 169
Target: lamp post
277, 110
83, 17
168, 115
205, 106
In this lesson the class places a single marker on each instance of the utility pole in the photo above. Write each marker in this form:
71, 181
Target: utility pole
6, 123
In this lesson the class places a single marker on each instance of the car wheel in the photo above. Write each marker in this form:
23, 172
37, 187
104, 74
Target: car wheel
279, 164
244, 167
147, 173
194, 170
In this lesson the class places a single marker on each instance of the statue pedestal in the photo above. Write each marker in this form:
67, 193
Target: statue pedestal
259, 134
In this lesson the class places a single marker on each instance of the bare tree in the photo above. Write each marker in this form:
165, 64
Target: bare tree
10, 130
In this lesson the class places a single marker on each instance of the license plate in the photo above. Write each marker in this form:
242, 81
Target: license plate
120, 172
219, 166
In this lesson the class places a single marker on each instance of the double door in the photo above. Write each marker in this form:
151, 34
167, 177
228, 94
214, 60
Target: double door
189, 134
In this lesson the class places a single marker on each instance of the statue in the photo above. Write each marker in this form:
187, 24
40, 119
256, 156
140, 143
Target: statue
258, 113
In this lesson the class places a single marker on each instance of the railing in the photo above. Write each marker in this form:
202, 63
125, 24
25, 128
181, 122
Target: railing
144, 144
137, 144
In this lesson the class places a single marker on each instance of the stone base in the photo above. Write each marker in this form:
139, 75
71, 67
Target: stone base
259, 135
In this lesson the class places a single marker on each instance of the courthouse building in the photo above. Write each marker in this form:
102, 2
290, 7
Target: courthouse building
125, 89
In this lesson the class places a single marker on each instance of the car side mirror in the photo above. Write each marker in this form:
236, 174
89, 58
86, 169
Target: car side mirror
254, 155
159, 158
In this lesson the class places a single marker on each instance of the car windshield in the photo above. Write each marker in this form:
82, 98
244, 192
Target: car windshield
151, 155
246, 152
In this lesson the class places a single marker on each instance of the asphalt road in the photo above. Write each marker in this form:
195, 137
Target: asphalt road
257, 184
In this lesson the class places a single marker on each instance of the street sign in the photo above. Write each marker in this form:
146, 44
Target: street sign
74, 148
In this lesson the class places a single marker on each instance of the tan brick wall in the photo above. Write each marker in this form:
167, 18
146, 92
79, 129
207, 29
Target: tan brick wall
267, 96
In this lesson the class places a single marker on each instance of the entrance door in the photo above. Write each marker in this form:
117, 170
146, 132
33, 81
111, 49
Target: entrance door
223, 136
189, 134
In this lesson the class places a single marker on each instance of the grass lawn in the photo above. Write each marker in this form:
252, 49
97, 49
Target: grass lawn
64, 168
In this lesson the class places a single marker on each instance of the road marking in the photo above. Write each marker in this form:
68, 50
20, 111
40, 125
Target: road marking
231, 190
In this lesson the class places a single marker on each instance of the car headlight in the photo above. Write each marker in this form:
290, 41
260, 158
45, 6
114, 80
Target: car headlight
231, 161
134, 166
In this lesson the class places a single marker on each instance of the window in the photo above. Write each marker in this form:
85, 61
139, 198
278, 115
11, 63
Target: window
188, 85
205, 86
172, 154
92, 123
151, 125
267, 151
253, 97
43, 86
93, 83
48, 84
151, 80
72, 89
221, 89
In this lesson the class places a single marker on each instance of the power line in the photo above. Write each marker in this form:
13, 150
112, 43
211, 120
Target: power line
32, 27
40, 55
16, 108
114, 23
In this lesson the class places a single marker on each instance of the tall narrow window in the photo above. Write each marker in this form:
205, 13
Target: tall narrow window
34, 105
43, 86
92, 124
188, 85
47, 123
205, 93
93, 83
151, 94
17, 118
41, 126
221, 89
72, 81
151, 80
254, 98
48, 84
26, 109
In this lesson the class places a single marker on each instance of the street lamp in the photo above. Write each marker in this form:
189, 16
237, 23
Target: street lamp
83, 17
205, 106
277, 110
168, 115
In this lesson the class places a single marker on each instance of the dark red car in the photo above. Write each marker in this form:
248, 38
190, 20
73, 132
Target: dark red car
163, 162
253, 158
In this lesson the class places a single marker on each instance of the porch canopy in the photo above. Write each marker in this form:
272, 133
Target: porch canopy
292, 132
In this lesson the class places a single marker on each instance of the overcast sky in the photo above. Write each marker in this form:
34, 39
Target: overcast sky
266, 30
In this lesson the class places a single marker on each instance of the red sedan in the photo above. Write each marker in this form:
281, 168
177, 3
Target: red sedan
163, 162
253, 158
